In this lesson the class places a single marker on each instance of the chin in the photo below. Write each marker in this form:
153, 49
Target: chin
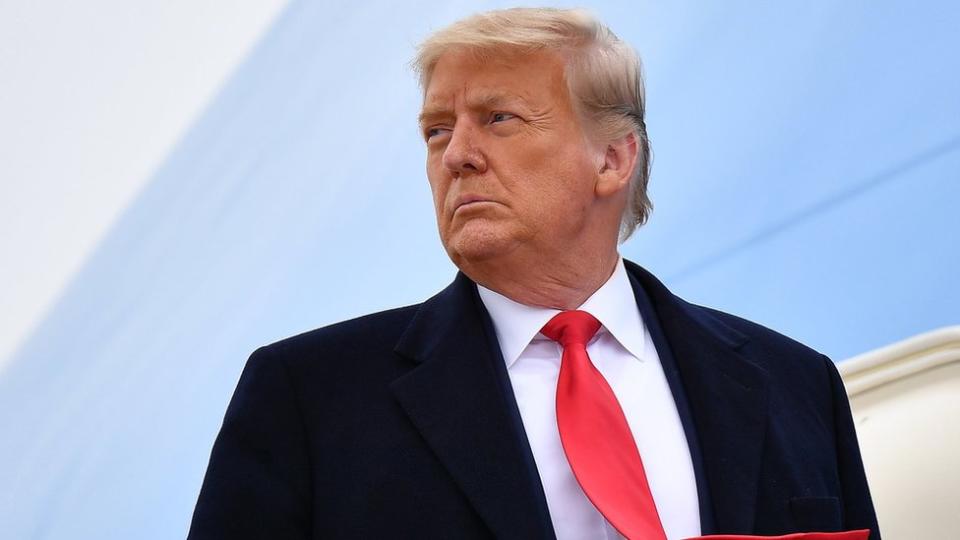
474, 244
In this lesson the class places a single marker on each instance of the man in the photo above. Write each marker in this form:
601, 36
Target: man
553, 389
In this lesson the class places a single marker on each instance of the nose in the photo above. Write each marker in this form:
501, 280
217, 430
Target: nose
463, 154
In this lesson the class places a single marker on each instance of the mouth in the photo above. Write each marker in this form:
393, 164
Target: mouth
471, 201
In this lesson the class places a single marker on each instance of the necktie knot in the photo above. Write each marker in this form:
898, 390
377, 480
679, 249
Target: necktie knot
571, 328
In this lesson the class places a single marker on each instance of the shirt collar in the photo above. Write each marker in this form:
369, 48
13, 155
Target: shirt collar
613, 304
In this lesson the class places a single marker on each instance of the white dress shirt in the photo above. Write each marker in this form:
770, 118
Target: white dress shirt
624, 353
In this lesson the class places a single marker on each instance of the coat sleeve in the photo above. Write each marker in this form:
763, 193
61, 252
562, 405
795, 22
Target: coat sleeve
858, 512
257, 484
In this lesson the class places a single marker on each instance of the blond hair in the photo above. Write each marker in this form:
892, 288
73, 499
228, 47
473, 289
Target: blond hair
603, 75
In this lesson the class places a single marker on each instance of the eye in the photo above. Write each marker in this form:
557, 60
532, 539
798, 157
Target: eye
500, 117
429, 133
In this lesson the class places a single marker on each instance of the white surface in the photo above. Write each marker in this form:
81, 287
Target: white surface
906, 404
624, 353
93, 96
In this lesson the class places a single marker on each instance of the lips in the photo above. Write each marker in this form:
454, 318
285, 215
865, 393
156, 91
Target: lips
468, 200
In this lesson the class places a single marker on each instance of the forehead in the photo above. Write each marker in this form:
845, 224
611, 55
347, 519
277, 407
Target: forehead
461, 76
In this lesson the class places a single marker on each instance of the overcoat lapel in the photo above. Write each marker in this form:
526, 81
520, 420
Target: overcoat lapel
728, 400
456, 398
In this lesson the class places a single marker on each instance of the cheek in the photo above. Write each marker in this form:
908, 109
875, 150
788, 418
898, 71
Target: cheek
563, 188
439, 187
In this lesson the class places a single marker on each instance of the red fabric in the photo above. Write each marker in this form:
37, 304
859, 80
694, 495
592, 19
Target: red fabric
861, 534
595, 435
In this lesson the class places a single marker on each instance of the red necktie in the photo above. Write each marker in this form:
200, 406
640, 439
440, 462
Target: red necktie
595, 435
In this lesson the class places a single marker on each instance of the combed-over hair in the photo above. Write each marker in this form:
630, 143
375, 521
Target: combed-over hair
603, 75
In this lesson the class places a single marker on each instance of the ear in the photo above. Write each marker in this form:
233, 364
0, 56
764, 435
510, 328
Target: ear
617, 166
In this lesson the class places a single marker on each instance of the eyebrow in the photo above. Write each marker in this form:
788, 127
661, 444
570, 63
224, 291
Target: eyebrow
429, 114
483, 99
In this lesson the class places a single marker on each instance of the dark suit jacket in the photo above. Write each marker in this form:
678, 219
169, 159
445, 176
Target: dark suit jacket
403, 424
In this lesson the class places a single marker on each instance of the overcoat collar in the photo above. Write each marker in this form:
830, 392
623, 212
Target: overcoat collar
459, 398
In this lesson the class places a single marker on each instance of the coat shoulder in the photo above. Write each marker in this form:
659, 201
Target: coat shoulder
706, 322
794, 368
761, 335
366, 336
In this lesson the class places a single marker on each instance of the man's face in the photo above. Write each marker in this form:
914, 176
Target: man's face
508, 162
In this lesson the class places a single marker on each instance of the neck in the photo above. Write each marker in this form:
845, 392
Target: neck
563, 282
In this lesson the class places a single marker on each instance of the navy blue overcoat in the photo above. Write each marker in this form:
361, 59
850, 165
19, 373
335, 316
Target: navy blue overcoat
402, 424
